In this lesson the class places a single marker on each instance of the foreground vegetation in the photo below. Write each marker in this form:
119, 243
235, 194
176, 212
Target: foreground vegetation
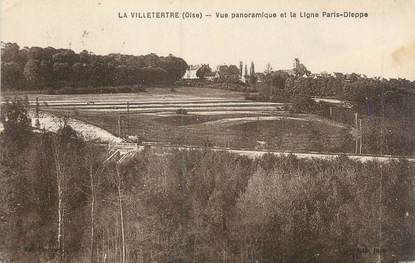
62, 202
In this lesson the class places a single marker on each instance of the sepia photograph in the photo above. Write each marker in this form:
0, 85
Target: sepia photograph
207, 131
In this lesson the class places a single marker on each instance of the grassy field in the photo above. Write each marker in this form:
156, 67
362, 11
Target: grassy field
214, 117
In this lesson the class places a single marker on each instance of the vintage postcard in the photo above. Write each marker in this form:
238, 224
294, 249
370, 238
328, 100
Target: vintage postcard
207, 131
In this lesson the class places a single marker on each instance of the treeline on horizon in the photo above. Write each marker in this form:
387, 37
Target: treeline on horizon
367, 95
195, 206
53, 68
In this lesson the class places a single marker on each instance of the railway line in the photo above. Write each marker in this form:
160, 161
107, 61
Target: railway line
127, 148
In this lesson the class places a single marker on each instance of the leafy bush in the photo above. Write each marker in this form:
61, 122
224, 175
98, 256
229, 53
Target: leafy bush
181, 111
304, 105
256, 97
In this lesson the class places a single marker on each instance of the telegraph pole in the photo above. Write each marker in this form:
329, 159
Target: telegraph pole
37, 107
119, 124
37, 123
128, 118
357, 129
361, 136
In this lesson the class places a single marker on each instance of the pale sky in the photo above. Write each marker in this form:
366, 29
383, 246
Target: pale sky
381, 45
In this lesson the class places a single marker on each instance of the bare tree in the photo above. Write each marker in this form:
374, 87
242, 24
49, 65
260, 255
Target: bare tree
119, 160
91, 177
119, 188
62, 150
92, 163
60, 184
268, 69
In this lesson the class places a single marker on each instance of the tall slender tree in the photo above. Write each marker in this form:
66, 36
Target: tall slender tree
268, 69
241, 67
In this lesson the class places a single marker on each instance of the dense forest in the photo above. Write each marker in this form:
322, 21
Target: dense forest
49, 68
62, 203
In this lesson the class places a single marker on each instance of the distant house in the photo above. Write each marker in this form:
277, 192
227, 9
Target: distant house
290, 72
191, 72
212, 76
243, 79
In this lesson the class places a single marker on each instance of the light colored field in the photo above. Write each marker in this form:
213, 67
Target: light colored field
188, 109
161, 104
151, 94
163, 101
89, 132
